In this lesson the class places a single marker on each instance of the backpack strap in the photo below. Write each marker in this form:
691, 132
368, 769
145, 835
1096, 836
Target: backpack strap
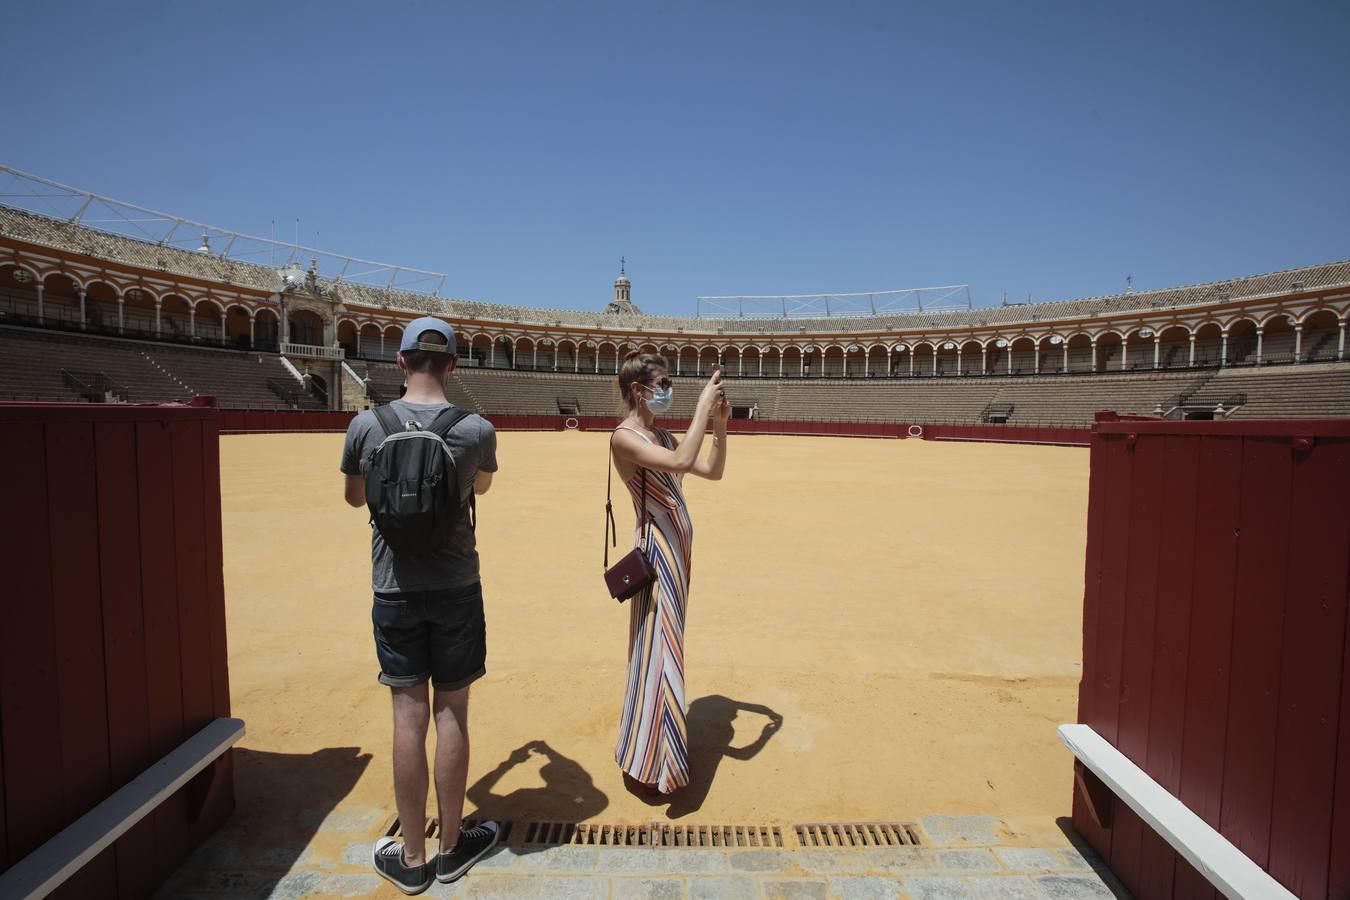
445, 420
388, 419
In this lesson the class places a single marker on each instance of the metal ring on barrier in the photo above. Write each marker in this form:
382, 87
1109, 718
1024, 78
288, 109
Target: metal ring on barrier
571, 422
914, 431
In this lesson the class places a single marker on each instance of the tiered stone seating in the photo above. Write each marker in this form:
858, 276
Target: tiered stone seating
32, 361
1302, 391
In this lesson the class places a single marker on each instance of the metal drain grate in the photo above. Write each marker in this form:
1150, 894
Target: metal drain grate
433, 828
557, 834
857, 834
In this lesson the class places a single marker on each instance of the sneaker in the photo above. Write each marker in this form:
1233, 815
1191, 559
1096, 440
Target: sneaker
473, 843
388, 860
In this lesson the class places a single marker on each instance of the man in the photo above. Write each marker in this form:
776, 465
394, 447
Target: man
428, 615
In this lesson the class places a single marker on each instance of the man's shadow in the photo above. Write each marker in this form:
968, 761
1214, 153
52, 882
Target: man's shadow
711, 729
568, 795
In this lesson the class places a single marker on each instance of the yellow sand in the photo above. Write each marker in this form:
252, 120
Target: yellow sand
912, 611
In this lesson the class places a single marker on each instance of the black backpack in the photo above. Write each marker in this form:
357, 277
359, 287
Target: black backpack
412, 484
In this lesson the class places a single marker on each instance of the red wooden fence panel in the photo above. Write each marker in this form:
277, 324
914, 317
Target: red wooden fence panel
113, 544
1215, 640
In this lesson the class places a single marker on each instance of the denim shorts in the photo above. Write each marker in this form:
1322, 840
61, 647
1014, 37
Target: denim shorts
438, 635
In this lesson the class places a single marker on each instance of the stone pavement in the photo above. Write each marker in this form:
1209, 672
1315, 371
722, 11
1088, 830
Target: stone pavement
961, 858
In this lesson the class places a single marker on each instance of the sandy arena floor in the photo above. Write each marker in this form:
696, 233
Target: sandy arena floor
911, 610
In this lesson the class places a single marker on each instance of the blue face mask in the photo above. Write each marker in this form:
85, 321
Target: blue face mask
661, 399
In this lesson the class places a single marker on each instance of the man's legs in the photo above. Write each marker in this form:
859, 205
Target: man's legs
452, 761
411, 717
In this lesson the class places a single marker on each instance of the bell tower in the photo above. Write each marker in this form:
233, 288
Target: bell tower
623, 294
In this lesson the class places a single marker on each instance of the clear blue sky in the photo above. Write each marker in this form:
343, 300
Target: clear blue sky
724, 148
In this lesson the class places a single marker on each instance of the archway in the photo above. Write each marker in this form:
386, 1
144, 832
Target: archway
176, 318
305, 327
1174, 347
1277, 341
1109, 348
104, 311
18, 292
1049, 355
266, 330
1080, 353
922, 360
1208, 344
1022, 356
60, 300
1138, 349
751, 363
565, 358
1321, 336
792, 363
1241, 343
855, 361
731, 361
902, 360
346, 338
237, 327
970, 359
947, 362
876, 361
707, 358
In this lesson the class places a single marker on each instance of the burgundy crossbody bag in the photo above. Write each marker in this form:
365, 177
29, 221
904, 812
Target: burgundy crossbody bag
634, 572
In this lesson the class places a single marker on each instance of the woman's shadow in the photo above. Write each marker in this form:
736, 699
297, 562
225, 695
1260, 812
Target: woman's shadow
711, 729
568, 795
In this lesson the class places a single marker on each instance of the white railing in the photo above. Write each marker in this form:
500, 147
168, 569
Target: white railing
312, 350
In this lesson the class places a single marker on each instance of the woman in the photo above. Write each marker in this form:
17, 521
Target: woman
653, 742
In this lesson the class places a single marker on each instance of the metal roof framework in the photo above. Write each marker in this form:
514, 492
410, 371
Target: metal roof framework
32, 193
860, 304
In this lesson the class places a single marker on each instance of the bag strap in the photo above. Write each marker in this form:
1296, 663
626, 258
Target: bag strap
447, 419
611, 529
388, 419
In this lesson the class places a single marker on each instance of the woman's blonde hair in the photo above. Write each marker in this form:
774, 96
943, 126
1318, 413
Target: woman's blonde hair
637, 368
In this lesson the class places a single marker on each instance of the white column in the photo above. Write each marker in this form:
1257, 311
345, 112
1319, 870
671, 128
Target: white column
935, 353
984, 360
761, 362
1157, 350
1298, 344
597, 360
382, 343
250, 335
534, 360
358, 335
958, 360
1094, 356
1036, 359
40, 290
223, 337
82, 295
121, 314
679, 363
1066, 357
1260, 333
1340, 339
911, 362
1191, 361
192, 321
1124, 352
801, 365
158, 304
1223, 349
890, 369
576, 358
740, 363
1010, 356
845, 363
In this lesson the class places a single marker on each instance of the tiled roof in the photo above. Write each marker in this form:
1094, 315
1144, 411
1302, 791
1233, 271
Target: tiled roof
97, 244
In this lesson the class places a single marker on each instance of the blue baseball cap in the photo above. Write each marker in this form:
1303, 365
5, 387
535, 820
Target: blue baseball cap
418, 327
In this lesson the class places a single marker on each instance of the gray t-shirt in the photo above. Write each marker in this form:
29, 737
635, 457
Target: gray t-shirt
473, 444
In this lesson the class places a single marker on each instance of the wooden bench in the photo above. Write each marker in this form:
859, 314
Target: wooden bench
42, 871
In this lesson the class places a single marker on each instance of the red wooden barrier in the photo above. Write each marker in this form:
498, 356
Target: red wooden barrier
114, 651
1215, 646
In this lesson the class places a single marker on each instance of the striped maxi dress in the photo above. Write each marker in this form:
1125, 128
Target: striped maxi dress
653, 744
